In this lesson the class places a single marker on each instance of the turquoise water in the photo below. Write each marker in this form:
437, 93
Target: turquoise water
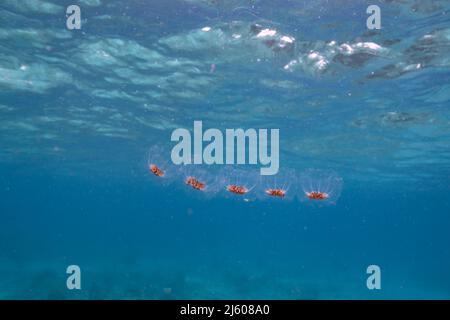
80, 109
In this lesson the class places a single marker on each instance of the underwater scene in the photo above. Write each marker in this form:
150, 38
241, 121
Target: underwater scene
214, 149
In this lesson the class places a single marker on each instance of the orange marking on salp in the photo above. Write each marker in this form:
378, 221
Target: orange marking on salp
240, 190
156, 171
280, 193
317, 195
196, 184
